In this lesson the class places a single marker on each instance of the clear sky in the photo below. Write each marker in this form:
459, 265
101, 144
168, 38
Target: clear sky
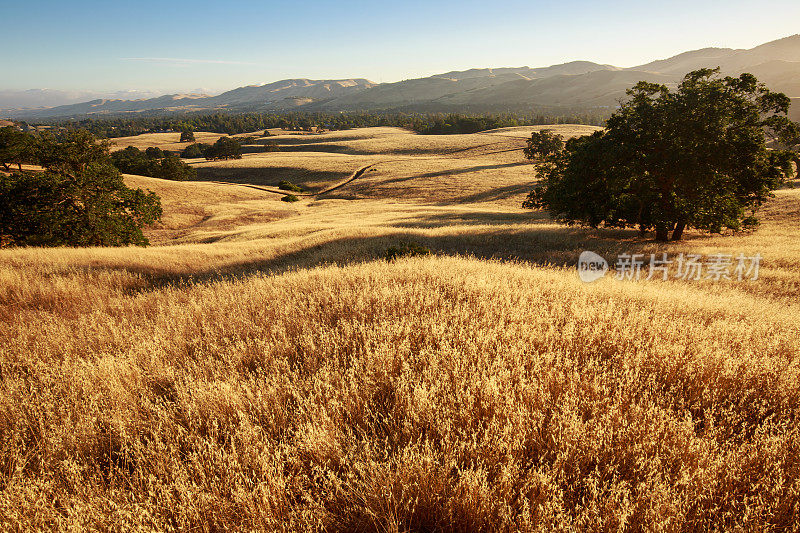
171, 46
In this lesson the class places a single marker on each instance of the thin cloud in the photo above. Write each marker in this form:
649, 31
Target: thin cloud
184, 61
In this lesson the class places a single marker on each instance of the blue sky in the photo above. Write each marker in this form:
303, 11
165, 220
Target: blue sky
174, 46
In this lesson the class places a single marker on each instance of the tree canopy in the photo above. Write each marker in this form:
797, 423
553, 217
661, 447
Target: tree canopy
16, 148
194, 150
224, 148
153, 162
80, 199
543, 144
706, 156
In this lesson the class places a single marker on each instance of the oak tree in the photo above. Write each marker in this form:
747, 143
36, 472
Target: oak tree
705, 156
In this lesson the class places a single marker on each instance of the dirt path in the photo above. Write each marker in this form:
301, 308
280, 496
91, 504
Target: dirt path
360, 172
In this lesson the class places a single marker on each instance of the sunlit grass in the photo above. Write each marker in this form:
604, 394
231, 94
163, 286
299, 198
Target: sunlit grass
225, 380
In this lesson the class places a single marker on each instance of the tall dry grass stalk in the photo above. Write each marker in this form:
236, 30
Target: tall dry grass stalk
427, 394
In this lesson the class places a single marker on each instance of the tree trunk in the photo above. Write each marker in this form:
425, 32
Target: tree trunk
662, 233
678, 231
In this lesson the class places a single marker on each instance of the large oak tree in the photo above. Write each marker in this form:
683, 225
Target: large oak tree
706, 156
80, 199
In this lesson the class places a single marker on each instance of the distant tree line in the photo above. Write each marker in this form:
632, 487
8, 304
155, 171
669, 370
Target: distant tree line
454, 124
232, 124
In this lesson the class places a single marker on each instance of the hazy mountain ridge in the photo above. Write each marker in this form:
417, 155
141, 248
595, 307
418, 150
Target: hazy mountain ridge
39, 98
577, 84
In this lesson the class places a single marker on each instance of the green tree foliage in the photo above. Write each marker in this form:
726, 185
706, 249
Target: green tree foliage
543, 144
79, 200
72, 153
193, 151
153, 162
172, 168
458, 124
187, 137
16, 148
224, 148
154, 152
406, 249
705, 156
232, 124
289, 186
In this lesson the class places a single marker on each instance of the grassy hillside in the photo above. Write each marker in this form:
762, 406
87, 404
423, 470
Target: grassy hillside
262, 367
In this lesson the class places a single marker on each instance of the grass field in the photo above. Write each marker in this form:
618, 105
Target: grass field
262, 367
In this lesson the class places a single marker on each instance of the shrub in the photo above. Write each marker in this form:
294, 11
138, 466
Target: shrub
290, 198
289, 186
187, 137
406, 249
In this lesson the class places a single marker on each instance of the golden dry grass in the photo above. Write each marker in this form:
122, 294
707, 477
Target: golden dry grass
444, 169
170, 141
233, 377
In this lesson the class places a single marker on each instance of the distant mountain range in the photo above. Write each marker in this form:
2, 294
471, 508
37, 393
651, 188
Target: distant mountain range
578, 85
40, 98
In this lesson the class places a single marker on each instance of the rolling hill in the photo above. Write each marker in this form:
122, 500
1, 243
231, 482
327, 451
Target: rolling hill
262, 367
575, 85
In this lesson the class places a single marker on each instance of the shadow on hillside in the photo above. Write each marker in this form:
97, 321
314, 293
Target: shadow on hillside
554, 245
270, 176
251, 149
329, 148
473, 218
410, 151
299, 138
497, 193
382, 187
447, 152
454, 172
310, 144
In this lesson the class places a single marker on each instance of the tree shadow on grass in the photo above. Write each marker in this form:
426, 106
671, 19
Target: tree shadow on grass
473, 218
544, 245
495, 193
329, 148
454, 172
271, 176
